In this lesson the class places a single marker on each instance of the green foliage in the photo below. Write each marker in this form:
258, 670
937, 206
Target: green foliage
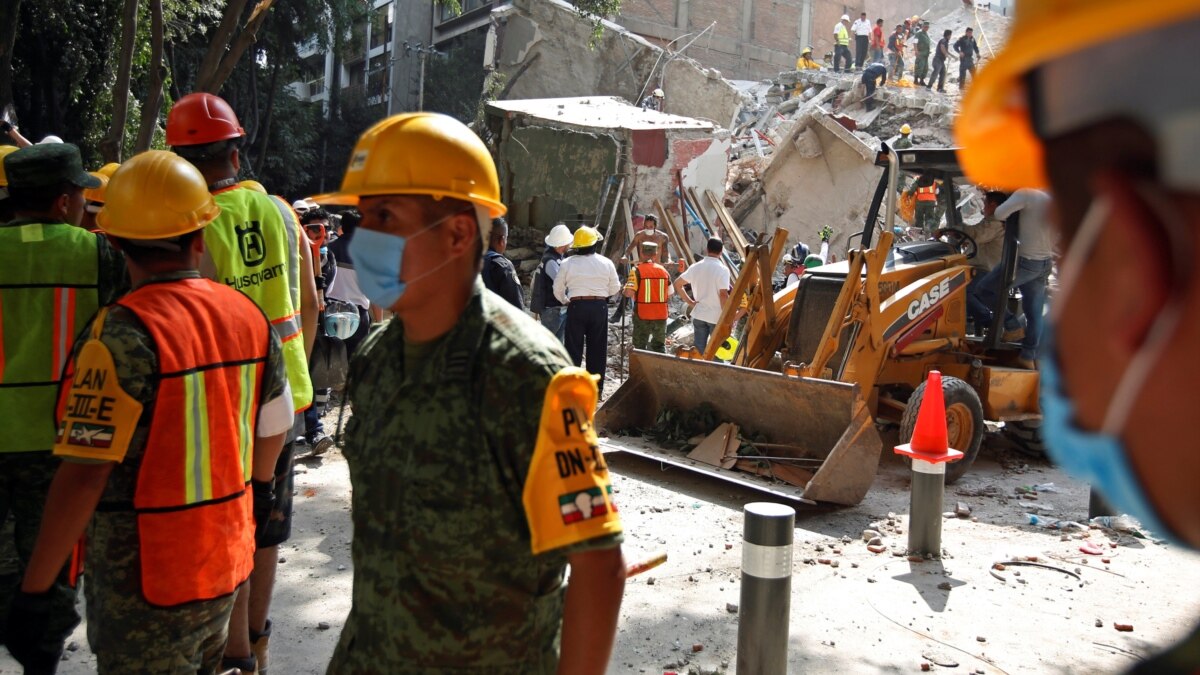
453, 81
596, 11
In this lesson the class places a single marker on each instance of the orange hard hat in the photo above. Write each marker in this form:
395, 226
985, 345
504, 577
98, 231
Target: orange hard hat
997, 143
200, 119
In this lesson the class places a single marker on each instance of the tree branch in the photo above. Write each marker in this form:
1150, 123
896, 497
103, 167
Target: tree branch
112, 144
218, 44
153, 102
243, 41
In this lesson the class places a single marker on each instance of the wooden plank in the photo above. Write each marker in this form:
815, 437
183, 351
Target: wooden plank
726, 220
765, 290
673, 234
712, 450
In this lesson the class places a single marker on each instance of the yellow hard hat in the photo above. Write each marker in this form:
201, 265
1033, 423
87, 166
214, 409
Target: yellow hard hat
107, 170
5, 150
420, 154
727, 349
998, 146
585, 237
156, 195
96, 194
906, 130
254, 185
806, 50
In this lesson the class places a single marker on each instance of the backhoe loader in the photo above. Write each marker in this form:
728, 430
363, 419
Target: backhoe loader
841, 354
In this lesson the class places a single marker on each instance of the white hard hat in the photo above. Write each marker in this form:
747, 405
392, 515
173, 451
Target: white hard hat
845, 17
560, 235
302, 205
50, 139
659, 93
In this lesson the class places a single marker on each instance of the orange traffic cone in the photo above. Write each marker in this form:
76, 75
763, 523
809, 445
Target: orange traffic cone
930, 439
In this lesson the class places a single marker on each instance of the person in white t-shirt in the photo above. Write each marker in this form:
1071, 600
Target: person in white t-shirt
710, 291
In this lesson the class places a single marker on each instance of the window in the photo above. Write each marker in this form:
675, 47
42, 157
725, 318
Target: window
446, 14
381, 24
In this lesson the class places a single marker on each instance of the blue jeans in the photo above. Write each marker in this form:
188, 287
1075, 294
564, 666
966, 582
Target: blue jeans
702, 330
1031, 281
555, 321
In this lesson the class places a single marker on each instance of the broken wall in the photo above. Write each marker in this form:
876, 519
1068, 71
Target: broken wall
543, 52
821, 175
549, 174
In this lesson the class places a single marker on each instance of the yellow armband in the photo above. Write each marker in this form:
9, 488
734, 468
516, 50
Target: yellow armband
567, 497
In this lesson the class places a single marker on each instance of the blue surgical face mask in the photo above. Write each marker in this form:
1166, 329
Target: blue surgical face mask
1100, 457
378, 260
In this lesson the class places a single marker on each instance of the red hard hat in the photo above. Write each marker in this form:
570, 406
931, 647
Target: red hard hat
199, 119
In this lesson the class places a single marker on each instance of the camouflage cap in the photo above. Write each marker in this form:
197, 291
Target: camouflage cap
46, 165
649, 246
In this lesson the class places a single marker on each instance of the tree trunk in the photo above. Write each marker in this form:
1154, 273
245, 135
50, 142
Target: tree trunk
218, 44
153, 102
176, 94
111, 145
243, 41
10, 14
260, 164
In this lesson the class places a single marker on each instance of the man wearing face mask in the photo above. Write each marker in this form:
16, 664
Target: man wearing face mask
1119, 365
464, 411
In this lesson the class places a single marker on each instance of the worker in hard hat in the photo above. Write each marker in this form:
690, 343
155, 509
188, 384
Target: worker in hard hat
905, 140
792, 271
654, 100
1118, 365
585, 282
649, 285
805, 62
924, 48
463, 410
551, 312
841, 45
54, 276
254, 245
157, 601
93, 202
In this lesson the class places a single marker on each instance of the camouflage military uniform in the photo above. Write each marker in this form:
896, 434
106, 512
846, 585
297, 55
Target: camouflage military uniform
439, 448
25, 476
127, 634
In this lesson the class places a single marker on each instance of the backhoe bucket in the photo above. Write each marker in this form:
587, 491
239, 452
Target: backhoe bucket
820, 430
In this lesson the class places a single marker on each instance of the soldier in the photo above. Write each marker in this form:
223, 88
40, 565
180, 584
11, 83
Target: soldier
650, 232
467, 405
53, 276
254, 245
649, 285
178, 358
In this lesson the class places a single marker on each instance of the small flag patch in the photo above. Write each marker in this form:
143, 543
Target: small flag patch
91, 435
580, 506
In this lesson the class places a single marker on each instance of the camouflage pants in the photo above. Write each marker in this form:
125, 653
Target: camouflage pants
649, 334
129, 636
24, 482
926, 217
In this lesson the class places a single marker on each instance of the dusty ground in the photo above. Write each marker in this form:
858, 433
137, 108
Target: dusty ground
870, 613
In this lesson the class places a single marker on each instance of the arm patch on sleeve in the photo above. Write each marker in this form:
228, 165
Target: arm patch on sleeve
567, 497
96, 417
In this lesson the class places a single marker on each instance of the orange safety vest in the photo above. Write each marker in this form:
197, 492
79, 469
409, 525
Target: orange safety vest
194, 511
652, 291
927, 194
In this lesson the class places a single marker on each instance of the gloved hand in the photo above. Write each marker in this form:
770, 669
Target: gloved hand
826, 233
25, 629
264, 503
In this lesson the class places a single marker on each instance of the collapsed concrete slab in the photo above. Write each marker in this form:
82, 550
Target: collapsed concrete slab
542, 49
556, 156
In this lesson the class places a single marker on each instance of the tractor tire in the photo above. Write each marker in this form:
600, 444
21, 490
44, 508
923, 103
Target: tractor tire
964, 416
1026, 437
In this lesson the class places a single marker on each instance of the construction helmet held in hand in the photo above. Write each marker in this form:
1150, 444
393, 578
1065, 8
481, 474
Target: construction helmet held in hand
420, 154
200, 119
156, 195
5, 150
995, 129
586, 236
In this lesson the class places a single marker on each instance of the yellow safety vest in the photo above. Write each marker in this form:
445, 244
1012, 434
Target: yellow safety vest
255, 245
843, 35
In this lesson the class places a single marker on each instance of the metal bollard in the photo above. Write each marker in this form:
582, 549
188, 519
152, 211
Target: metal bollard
929, 452
766, 597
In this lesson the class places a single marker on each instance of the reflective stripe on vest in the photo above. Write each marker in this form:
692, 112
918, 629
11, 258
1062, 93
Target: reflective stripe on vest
254, 245
652, 291
194, 512
48, 291
927, 194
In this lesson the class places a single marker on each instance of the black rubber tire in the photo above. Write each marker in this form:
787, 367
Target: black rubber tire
955, 391
1026, 437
